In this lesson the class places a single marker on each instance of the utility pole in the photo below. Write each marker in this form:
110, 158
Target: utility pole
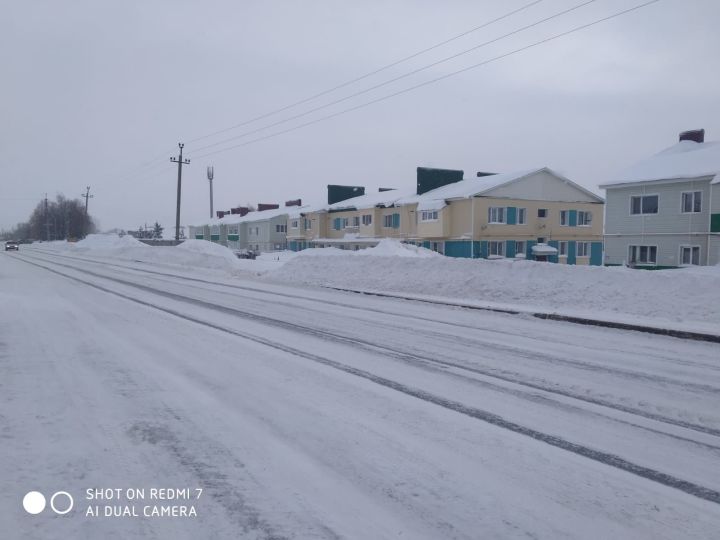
87, 196
179, 160
47, 220
210, 174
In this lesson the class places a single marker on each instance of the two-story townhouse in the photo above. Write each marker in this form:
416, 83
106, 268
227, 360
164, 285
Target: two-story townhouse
664, 212
508, 215
259, 231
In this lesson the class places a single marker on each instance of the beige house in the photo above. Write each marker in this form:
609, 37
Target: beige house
535, 214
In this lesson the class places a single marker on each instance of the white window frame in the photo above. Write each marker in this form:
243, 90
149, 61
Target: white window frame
308, 224
562, 248
521, 243
545, 210
367, 220
428, 215
641, 197
639, 246
565, 214
356, 221
521, 216
584, 218
294, 224
692, 201
234, 230
438, 247
585, 249
691, 247
387, 221
497, 215
499, 248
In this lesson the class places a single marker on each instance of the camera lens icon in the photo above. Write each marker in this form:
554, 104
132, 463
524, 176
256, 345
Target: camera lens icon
61, 502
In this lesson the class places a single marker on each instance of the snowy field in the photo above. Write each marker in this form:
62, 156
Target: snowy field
304, 412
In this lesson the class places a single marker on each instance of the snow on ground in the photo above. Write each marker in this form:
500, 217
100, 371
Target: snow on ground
687, 298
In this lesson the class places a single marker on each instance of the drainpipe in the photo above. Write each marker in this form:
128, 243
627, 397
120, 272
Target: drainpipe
472, 227
709, 235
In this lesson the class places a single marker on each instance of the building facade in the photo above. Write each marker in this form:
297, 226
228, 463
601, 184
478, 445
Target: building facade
664, 212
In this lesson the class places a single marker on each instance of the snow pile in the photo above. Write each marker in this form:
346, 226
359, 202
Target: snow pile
210, 249
680, 296
108, 241
388, 247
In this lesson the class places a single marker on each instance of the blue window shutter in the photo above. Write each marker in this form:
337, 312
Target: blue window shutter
336, 225
596, 253
511, 215
396, 221
553, 258
573, 218
510, 247
529, 254
483, 249
571, 252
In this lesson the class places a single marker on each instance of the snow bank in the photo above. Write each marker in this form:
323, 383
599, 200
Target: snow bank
682, 295
387, 247
203, 247
108, 241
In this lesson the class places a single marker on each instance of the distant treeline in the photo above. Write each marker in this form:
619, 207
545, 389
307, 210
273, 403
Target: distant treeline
62, 219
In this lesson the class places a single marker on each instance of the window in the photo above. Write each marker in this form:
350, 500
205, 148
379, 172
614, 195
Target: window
691, 202
367, 219
496, 214
521, 216
690, 254
583, 249
356, 221
308, 224
280, 228
438, 247
496, 248
387, 221
643, 204
542, 212
233, 230
519, 247
643, 254
584, 218
294, 224
563, 249
564, 217
429, 215
541, 240
344, 223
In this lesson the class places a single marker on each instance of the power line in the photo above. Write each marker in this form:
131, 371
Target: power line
437, 79
395, 79
369, 74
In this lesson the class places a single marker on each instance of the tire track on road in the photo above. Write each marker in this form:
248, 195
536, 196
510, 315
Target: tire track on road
606, 458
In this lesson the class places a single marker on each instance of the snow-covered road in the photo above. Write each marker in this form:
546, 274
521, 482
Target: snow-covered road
306, 413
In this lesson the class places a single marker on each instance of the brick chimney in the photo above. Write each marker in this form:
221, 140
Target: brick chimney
262, 207
696, 135
296, 202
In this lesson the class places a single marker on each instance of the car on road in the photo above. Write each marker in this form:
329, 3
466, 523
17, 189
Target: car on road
11, 245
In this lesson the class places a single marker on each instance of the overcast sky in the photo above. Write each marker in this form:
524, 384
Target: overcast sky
99, 93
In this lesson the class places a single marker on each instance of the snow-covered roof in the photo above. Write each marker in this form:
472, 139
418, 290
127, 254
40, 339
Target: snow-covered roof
686, 159
371, 200
234, 219
473, 187
431, 204
544, 249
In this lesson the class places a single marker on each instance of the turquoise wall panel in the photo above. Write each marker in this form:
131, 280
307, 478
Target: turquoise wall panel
571, 252
553, 258
573, 218
596, 253
510, 248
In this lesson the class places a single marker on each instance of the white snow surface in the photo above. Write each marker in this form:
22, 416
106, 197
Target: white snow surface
685, 298
309, 413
